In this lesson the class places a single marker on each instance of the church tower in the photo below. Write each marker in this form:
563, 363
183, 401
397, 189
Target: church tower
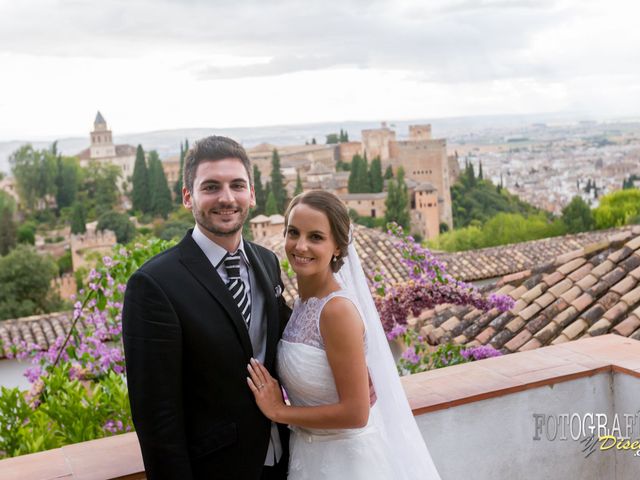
101, 140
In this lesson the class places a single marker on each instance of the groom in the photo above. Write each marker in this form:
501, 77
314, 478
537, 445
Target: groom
193, 317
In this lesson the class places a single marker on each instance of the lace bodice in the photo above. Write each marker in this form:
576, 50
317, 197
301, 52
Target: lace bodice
304, 324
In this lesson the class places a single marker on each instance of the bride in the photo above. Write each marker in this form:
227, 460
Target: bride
348, 412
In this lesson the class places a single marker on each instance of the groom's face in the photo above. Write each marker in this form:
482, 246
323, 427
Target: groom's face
222, 196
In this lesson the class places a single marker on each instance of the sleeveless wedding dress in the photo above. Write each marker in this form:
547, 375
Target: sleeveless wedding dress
304, 371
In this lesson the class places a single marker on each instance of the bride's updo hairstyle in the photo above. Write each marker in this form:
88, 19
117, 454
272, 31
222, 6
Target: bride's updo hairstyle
336, 212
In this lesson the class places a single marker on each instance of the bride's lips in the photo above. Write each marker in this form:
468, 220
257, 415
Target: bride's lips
300, 260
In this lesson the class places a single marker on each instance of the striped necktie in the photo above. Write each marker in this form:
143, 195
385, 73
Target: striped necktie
237, 287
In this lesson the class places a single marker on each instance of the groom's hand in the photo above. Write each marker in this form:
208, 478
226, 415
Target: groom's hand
266, 390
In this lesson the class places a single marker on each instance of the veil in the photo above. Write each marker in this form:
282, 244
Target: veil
408, 453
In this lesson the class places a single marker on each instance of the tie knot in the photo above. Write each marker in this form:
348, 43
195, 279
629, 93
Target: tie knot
232, 266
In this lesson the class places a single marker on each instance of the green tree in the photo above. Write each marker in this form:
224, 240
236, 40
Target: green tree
375, 175
35, 174
332, 138
272, 206
27, 233
277, 182
261, 196
397, 202
480, 177
617, 208
160, 201
177, 188
25, 283
102, 186
78, 219
577, 216
140, 195
388, 173
67, 180
359, 175
8, 233
118, 223
344, 136
299, 188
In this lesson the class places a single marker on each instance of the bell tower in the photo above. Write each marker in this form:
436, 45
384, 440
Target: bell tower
101, 139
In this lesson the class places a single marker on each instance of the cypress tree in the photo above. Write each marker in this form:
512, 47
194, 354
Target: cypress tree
8, 231
375, 175
397, 203
159, 188
272, 206
140, 193
299, 188
480, 171
177, 187
354, 174
388, 173
261, 194
78, 219
277, 182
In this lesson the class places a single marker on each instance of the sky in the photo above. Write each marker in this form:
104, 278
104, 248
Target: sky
163, 64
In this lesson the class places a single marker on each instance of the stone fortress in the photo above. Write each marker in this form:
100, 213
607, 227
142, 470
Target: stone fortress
429, 173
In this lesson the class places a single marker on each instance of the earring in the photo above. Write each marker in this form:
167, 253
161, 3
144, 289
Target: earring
334, 259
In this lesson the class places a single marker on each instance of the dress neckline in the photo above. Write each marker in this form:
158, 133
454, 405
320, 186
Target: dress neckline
317, 299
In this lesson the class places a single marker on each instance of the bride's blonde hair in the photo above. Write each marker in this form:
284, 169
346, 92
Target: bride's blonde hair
336, 212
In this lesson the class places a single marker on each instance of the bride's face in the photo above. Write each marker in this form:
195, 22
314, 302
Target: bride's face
309, 244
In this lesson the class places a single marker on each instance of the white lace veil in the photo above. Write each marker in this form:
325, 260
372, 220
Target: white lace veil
392, 413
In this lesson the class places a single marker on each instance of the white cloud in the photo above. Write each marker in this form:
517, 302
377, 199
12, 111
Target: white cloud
163, 64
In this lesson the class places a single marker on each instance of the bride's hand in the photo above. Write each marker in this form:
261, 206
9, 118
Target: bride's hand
266, 390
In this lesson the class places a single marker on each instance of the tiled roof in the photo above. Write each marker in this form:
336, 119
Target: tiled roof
588, 292
495, 262
38, 329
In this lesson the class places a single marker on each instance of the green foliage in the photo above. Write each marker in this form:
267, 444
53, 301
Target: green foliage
25, 283
160, 195
272, 207
502, 229
474, 199
299, 188
344, 136
359, 175
119, 223
67, 181
140, 195
332, 138
35, 173
101, 189
397, 202
261, 195
388, 173
8, 233
27, 233
277, 183
577, 216
177, 187
78, 219
176, 226
617, 208
65, 264
627, 183
375, 175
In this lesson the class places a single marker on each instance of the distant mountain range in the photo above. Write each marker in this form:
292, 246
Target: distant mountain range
167, 142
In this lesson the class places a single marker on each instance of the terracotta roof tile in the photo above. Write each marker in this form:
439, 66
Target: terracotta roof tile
587, 281
596, 291
569, 267
627, 326
581, 272
634, 244
559, 288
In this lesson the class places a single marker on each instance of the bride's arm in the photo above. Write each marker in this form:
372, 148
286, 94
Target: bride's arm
342, 331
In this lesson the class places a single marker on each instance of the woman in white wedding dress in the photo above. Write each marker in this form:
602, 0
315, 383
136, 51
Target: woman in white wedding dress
348, 413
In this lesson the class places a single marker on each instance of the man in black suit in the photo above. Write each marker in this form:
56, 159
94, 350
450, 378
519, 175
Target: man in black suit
193, 317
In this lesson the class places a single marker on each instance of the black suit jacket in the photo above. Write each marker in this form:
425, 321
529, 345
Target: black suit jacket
187, 350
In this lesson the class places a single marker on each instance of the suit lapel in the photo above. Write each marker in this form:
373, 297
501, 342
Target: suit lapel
194, 260
271, 306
